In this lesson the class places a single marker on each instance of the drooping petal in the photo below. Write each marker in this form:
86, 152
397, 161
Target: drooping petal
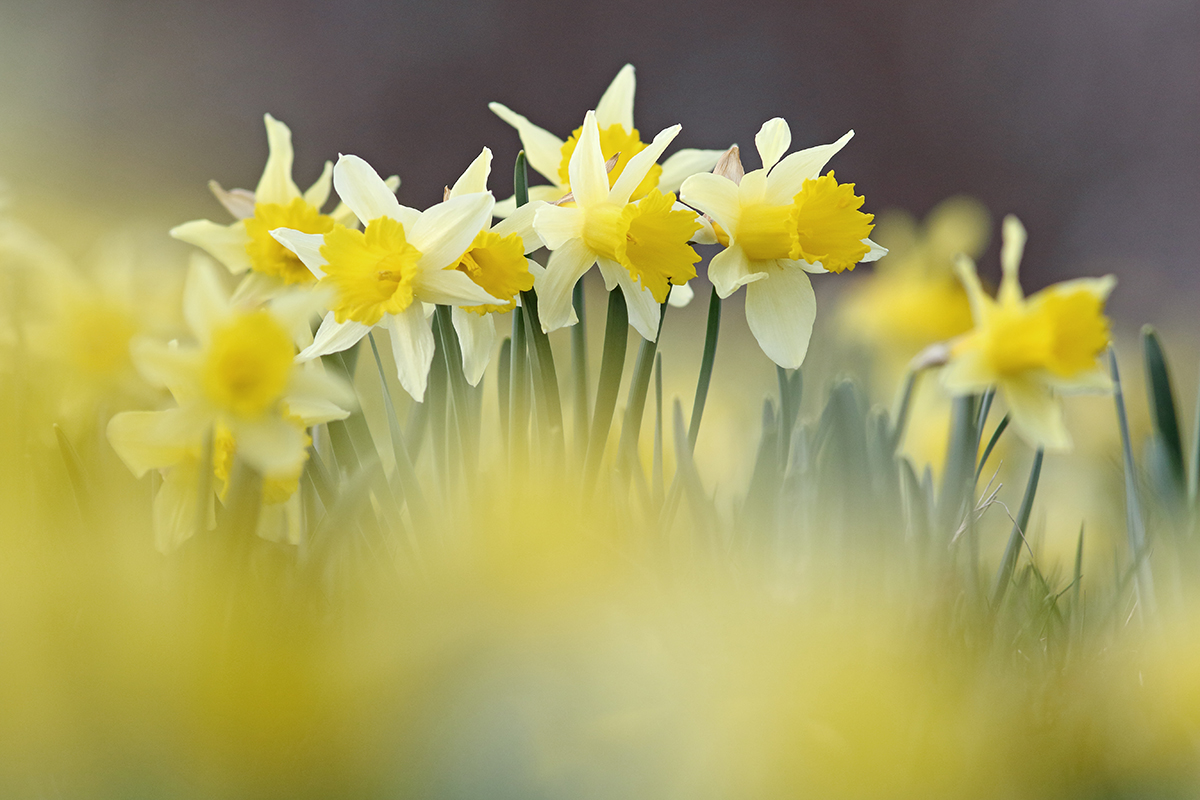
318, 194
205, 301
361, 188
683, 164
773, 140
269, 444
1036, 414
147, 440
475, 176
790, 174
276, 184
730, 269
566, 266
635, 171
1012, 246
334, 337
616, 104
306, 246
225, 243
589, 177
449, 287
681, 296
644, 310
715, 196
556, 225
780, 312
412, 347
476, 336
542, 148
446, 230
521, 222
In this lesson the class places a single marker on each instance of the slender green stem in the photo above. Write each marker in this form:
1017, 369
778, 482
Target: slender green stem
639, 388
504, 388
657, 481
549, 403
612, 362
518, 425
1008, 563
903, 409
405, 471
711, 334
991, 445
460, 392
1134, 524
579, 371
959, 469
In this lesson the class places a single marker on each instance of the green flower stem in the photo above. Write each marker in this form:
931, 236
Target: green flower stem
639, 387
657, 482
459, 391
711, 334
547, 378
518, 424
1008, 563
406, 474
1134, 524
612, 362
579, 372
504, 389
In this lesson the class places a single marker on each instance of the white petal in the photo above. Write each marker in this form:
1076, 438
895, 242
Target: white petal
314, 411
446, 230
225, 243
295, 308
239, 202
635, 171
205, 301
685, 163
1012, 246
318, 194
276, 184
306, 246
255, 289
874, 254
449, 287
589, 178
556, 225
616, 104
644, 310
176, 368
716, 196
147, 440
707, 234
680, 296
312, 385
507, 207
476, 336
753, 188
773, 140
412, 347
780, 312
789, 175
964, 267
475, 176
566, 266
334, 337
361, 188
730, 269
270, 445
520, 222
1036, 414
542, 148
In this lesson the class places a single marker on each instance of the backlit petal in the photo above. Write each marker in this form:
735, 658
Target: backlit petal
306, 246
361, 188
773, 140
730, 269
1036, 414
446, 230
715, 196
147, 440
566, 266
449, 287
556, 225
616, 104
475, 176
318, 194
589, 177
683, 164
276, 184
334, 337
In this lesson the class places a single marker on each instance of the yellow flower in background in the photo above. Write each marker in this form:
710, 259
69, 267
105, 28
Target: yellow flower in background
240, 383
914, 299
1031, 348
777, 223
384, 275
551, 156
641, 246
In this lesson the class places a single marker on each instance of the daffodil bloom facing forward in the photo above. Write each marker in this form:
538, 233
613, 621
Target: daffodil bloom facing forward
641, 247
551, 156
778, 223
239, 384
1031, 348
383, 274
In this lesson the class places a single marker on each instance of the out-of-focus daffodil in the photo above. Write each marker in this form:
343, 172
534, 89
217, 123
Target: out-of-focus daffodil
1031, 348
384, 274
551, 156
913, 299
238, 384
641, 246
777, 223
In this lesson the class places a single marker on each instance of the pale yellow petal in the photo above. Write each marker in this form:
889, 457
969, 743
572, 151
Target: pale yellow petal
361, 188
318, 194
566, 266
980, 302
412, 348
556, 225
521, 223
780, 312
616, 104
334, 337
789, 175
476, 337
542, 148
271, 445
225, 243
205, 301
177, 368
589, 176
276, 184
644, 310
730, 269
446, 230
714, 195
146, 440
548, 194
1011, 248
306, 246
177, 506
685, 163
956, 225
773, 140
681, 296
449, 287
1036, 414
475, 176
637, 168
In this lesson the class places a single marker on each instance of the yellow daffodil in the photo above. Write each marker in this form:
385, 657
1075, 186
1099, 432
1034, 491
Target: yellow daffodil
778, 223
551, 156
914, 299
1031, 348
496, 262
641, 246
276, 203
384, 274
238, 383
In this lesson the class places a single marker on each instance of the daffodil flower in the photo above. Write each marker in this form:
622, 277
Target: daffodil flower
551, 156
384, 274
641, 247
496, 262
240, 383
778, 223
1031, 348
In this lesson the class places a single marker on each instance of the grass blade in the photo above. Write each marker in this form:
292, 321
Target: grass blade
1163, 411
612, 363
639, 388
579, 372
1012, 550
711, 334
991, 445
1134, 522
